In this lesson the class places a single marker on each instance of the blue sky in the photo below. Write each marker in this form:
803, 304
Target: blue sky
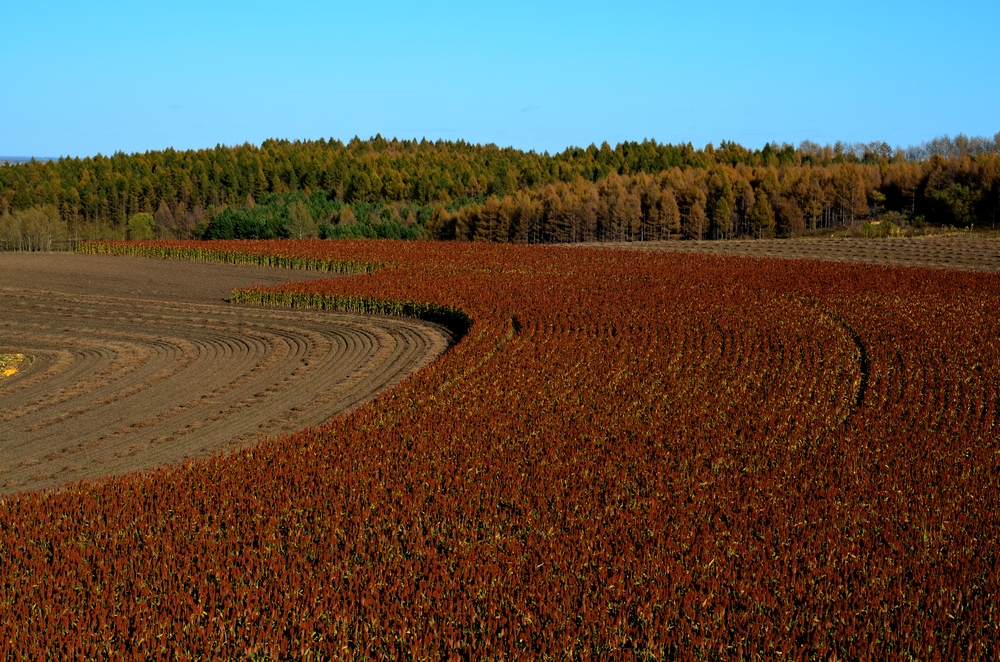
82, 78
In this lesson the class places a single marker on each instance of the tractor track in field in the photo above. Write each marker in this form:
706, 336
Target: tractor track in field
136, 363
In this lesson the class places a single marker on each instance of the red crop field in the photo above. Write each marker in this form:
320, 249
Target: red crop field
627, 454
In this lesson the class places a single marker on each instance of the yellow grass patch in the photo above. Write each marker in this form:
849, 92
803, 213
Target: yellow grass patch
9, 364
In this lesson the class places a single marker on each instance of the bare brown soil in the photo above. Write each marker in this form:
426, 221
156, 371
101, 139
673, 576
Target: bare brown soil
133, 363
966, 253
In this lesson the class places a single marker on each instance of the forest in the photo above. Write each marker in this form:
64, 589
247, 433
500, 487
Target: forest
635, 191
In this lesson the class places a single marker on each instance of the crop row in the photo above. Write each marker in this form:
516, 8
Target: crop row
643, 455
270, 254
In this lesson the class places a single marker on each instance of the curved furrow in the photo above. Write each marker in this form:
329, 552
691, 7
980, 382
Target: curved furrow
116, 385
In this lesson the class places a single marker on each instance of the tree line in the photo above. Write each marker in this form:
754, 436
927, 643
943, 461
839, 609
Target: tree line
406, 188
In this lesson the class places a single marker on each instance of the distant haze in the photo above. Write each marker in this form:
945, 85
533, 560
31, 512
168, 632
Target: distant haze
23, 159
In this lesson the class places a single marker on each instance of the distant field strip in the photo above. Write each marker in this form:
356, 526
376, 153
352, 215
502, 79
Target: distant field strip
951, 252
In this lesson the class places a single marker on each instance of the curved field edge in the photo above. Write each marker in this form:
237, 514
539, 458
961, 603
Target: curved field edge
652, 456
453, 319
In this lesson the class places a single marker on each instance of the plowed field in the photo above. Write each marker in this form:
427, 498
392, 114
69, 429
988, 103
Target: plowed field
133, 363
951, 252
